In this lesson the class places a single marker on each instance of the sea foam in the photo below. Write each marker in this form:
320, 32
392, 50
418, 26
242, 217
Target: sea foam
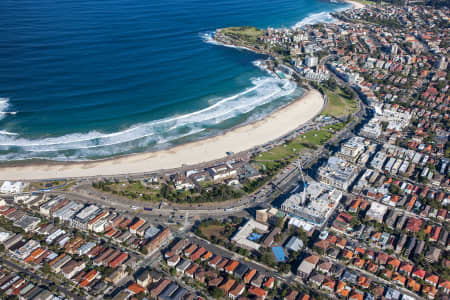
262, 91
208, 37
315, 18
4, 106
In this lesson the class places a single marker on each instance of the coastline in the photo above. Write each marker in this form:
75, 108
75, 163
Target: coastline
235, 140
240, 139
355, 4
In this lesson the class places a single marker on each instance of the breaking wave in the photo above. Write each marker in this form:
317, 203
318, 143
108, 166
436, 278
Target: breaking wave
4, 105
152, 134
315, 18
208, 37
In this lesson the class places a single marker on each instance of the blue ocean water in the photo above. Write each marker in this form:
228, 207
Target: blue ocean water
90, 79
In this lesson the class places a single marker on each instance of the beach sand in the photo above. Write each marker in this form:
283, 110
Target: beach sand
355, 4
275, 125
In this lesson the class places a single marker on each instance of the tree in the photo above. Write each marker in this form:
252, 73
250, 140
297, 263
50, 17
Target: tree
331, 83
217, 293
140, 296
285, 268
355, 222
267, 257
280, 222
46, 268
395, 189
144, 250
301, 234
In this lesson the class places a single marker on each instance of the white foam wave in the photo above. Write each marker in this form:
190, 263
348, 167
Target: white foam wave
208, 37
95, 143
4, 105
4, 132
322, 17
262, 66
315, 18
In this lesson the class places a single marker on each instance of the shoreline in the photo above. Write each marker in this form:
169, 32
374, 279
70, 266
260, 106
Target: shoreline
355, 4
131, 163
240, 139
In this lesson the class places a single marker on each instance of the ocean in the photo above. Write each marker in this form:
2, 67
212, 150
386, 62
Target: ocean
82, 80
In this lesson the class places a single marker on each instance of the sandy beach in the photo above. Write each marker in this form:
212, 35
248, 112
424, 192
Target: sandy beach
355, 4
237, 140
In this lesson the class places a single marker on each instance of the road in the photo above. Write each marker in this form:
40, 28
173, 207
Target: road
289, 278
39, 279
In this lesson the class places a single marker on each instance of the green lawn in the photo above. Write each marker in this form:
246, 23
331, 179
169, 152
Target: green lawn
339, 104
246, 33
45, 184
373, 3
133, 190
290, 151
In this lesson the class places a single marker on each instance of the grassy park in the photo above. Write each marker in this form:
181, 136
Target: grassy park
244, 33
218, 231
166, 192
283, 154
46, 184
339, 104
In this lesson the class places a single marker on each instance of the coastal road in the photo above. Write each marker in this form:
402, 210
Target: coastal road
127, 206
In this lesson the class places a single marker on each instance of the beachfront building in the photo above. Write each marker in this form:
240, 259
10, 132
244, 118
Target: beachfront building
314, 205
83, 217
222, 172
9, 187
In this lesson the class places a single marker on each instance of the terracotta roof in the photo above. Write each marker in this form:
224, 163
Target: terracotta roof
342, 289
347, 253
432, 278
399, 278
313, 259
249, 275
330, 284
419, 273
269, 282
136, 288
259, 292
232, 265
356, 296
227, 285
406, 267
444, 284
238, 289
395, 263
430, 290
414, 285
360, 250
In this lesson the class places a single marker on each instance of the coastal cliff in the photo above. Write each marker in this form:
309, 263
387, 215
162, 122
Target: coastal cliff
244, 37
